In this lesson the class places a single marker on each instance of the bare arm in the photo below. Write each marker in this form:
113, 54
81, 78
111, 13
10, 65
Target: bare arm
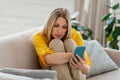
58, 58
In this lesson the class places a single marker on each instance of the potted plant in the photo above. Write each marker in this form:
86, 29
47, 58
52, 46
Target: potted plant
86, 32
112, 26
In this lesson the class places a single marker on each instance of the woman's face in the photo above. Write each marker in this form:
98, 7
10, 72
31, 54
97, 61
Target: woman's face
60, 28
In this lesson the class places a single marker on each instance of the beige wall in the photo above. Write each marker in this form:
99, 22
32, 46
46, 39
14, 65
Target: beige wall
20, 15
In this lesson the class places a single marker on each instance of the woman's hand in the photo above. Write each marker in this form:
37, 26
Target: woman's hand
79, 63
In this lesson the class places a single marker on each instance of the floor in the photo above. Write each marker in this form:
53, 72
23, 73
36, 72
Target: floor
21, 15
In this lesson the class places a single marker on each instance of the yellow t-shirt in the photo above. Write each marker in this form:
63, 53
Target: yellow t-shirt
41, 46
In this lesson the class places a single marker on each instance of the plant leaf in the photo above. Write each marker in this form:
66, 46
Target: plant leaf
106, 17
74, 26
108, 32
113, 44
115, 47
115, 6
84, 36
108, 28
109, 38
118, 21
116, 32
111, 21
89, 31
109, 24
81, 28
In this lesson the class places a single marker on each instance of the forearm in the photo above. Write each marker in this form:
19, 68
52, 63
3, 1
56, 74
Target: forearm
58, 58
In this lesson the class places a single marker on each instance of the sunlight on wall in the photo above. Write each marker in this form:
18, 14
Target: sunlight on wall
86, 5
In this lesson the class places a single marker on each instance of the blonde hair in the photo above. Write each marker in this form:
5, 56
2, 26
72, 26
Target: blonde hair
58, 12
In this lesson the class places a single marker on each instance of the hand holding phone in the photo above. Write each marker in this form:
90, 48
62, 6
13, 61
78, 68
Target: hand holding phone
80, 51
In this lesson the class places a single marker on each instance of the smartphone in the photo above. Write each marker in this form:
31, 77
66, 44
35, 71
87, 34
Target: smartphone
80, 51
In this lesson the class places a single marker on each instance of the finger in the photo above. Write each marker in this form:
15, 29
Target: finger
74, 64
71, 63
84, 58
75, 59
80, 59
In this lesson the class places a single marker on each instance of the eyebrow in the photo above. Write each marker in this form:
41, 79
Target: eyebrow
65, 25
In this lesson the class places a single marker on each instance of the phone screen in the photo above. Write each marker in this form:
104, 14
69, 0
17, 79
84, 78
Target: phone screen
79, 50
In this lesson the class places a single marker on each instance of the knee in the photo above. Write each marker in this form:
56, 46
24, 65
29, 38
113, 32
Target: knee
69, 45
69, 42
56, 43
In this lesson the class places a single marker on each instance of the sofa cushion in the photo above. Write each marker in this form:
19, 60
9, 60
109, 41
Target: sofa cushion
112, 75
114, 54
31, 73
101, 62
5, 76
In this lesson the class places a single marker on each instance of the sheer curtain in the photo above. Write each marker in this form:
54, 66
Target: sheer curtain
91, 12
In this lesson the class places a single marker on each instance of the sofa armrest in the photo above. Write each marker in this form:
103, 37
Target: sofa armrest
114, 54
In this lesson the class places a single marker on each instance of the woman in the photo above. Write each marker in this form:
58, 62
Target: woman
55, 46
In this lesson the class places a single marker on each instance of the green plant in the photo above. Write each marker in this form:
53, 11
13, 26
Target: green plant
85, 31
112, 26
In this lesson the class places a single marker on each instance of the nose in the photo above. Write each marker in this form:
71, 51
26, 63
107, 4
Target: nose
59, 30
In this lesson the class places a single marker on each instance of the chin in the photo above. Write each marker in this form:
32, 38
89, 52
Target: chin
58, 38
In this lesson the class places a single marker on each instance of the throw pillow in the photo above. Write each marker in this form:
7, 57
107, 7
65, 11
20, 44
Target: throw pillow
31, 73
5, 76
101, 62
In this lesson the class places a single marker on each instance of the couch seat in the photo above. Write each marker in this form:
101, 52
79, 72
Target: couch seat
112, 75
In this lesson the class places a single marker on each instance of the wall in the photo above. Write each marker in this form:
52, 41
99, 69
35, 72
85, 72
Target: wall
20, 15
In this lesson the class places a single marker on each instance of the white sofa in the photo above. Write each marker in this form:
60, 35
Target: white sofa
17, 51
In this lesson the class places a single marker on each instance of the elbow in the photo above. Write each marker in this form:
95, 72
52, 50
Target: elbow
47, 60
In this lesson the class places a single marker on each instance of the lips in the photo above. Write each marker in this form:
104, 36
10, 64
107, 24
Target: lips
58, 35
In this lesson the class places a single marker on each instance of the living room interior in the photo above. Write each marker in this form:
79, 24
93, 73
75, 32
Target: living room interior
20, 18
17, 16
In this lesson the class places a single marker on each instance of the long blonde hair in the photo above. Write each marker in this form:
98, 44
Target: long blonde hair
58, 12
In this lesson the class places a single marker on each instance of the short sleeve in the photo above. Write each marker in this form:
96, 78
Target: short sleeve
41, 48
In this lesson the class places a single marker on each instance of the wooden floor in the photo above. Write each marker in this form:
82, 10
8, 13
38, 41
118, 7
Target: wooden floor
20, 15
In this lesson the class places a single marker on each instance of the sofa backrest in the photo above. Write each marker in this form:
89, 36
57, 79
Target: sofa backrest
17, 51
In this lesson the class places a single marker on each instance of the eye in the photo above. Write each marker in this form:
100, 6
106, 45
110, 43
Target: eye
65, 26
55, 25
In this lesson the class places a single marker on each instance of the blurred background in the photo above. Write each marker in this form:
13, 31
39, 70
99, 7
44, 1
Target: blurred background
20, 15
